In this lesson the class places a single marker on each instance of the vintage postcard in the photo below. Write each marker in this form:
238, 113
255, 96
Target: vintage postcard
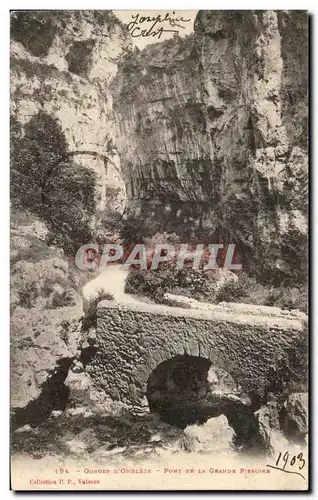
159, 286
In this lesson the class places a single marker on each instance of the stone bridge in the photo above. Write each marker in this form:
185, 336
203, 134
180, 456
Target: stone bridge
249, 344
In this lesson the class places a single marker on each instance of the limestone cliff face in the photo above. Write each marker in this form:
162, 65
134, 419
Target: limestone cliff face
212, 134
62, 63
209, 131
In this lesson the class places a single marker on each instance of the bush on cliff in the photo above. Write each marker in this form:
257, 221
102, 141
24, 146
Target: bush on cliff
34, 30
90, 318
43, 284
211, 286
133, 229
193, 283
45, 181
69, 205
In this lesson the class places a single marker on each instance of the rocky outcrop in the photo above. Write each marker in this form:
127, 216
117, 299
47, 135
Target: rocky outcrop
213, 135
84, 398
282, 425
46, 314
268, 423
295, 416
42, 345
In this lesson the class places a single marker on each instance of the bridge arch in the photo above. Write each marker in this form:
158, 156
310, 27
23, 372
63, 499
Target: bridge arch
177, 389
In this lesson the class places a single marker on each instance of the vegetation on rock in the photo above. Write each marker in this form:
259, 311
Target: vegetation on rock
46, 181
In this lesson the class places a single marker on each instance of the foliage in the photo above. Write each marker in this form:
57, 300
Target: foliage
236, 291
34, 156
155, 283
288, 298
161, 238
65, 299
90, 318
209, 286
33, 283
28, 293
69, 205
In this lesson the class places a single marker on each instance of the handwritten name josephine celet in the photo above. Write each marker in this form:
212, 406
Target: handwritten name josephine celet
139, 26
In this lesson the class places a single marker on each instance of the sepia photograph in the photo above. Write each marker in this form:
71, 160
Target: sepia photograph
159, 250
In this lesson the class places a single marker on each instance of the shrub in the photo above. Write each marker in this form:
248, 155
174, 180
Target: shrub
65, 298
237, 291
37, 250
288, 298
45, 283
207, 286
34, 157
69, 205
133, 230
194, 283
155, 283
46, 182
161, 238
90, 318
28, 295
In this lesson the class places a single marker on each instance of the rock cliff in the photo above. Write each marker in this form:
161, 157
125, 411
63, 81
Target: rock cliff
212, 135
204, 135
62, 63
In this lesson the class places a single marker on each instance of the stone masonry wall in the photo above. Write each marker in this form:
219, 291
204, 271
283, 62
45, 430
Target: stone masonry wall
132, 340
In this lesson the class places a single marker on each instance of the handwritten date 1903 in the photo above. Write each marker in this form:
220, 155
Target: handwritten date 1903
289, 463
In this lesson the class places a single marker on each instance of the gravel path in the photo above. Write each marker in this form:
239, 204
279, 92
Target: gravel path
112, 280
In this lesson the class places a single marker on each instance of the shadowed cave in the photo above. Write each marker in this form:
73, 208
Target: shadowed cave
186, 390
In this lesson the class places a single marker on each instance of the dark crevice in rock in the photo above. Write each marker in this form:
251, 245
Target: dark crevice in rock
247, 435
87, 354
79, 57
54, 396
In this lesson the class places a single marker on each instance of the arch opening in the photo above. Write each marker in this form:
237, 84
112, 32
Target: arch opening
186, 390
189, 389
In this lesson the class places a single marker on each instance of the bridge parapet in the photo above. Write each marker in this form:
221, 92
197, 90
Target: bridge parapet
251, 344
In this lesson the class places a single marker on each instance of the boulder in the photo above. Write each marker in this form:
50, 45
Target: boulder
267, 418
82, 391
296, 415
215, 435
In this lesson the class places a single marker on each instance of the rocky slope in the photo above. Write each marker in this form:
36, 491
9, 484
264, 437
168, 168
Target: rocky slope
213, 135
46, 313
